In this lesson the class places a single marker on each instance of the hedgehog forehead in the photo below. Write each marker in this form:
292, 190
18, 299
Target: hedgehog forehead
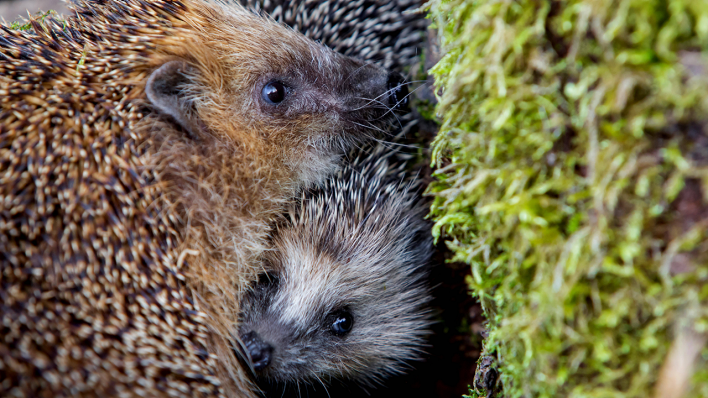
243, 36
344, 271
310, 284
337, 252
284, 52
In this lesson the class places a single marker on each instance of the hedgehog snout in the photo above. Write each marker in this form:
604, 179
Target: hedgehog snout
372, 92
258, 350
397, 91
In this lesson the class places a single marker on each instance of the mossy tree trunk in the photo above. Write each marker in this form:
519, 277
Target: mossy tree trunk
573, 177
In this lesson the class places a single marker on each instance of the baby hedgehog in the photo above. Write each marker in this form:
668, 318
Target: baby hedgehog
344, 295
144, 148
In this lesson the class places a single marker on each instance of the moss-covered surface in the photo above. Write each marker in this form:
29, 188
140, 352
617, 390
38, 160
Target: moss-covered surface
572, 177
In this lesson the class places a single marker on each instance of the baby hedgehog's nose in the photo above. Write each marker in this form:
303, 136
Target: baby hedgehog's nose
397, 91
258, 350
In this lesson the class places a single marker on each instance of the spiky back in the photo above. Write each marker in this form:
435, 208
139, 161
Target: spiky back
374, 183
93, 298
390, 33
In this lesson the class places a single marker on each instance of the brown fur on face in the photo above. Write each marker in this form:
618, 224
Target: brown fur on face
140, 169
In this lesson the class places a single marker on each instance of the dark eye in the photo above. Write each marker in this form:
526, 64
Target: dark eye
268, 279
274, 92
342, 323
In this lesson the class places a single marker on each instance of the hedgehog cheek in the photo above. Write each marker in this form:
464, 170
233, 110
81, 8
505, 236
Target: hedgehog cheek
166, 89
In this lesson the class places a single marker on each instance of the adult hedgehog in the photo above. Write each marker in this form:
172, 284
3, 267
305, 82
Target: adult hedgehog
144, 147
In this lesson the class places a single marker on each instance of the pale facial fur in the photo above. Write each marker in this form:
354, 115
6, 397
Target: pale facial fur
344, 296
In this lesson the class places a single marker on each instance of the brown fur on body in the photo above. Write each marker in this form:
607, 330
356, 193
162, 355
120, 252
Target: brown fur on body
127, 225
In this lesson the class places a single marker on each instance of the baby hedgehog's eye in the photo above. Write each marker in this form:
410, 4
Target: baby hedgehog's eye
342, 323
268, 278
274, 92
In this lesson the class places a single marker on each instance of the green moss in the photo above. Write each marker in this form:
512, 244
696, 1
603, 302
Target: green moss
426, 109
26, 25
472, 394
572, 141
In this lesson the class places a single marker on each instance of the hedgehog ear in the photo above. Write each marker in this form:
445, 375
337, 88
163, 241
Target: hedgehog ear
167, 90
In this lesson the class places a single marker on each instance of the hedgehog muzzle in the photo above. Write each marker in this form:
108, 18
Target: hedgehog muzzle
258, 351
397, 91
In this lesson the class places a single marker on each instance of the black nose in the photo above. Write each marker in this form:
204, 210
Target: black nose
259, 351
397, 91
